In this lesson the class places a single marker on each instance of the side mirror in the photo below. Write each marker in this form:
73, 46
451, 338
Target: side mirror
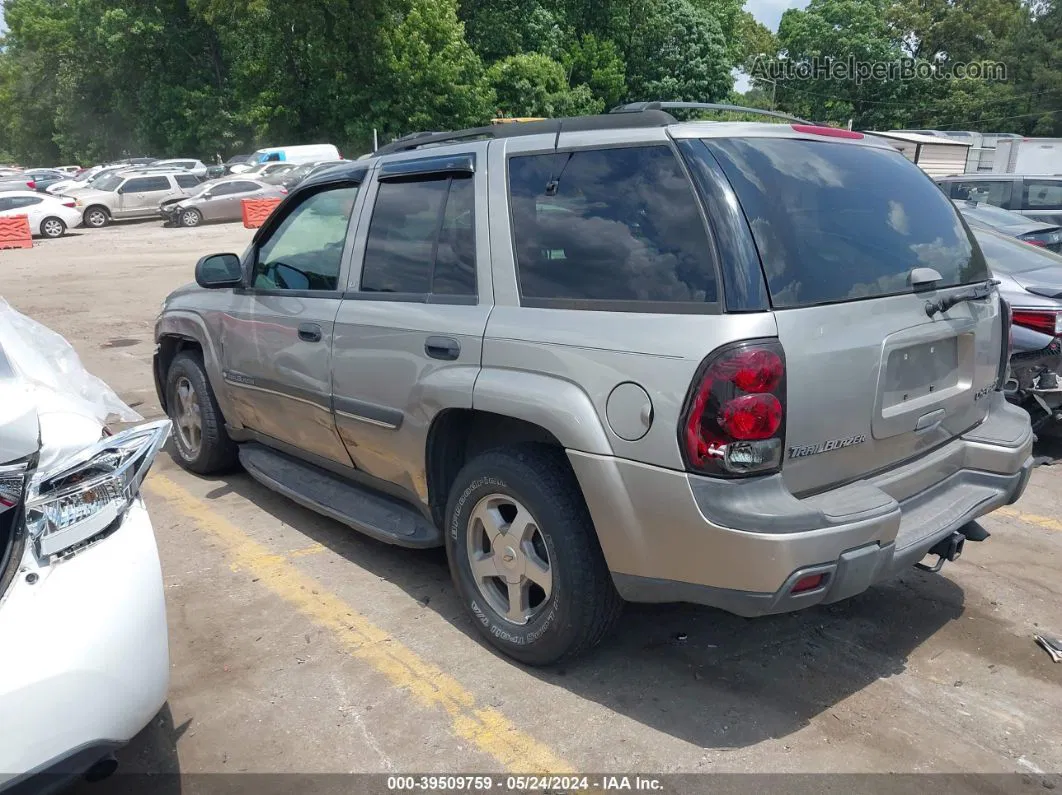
219, 270
207, 195
120, 190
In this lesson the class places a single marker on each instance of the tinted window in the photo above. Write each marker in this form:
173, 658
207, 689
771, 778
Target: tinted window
107, 182
1008, 255
839, 222
5, 203
222, 189
622, 225
243, 187
996, 192
24, 201
305, 250
146, 185
187, 180
422, 238
1043, 194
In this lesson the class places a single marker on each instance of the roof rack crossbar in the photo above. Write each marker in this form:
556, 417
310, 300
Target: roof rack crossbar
636, 107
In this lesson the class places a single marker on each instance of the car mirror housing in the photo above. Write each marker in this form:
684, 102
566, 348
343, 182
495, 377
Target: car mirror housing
215, 271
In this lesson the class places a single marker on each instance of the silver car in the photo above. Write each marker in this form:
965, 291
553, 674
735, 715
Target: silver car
219, 200
128, 195
608, 358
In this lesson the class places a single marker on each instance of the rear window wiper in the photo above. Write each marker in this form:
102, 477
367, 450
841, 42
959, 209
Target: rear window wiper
976, 293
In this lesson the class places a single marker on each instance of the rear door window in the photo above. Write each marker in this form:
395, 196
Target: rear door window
187, 180
1043, 194
146, 185
986, 191
609, 226
838, 222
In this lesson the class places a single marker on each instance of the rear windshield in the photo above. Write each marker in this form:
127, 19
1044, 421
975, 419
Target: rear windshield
994, 216
1005, 254
835, 222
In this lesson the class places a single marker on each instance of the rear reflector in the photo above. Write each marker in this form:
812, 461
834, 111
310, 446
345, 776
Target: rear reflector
831, 132
1042, 320
809, 583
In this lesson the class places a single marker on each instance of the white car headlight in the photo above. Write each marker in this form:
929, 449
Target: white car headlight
81, 496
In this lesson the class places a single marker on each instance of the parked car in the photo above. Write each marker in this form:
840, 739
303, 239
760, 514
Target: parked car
82, 610
69, 170
1031, 283
85, 179
266, 169
16, 180
196, 167
44, 177
220, 200
49, 216
606, 393
1014, 225
289, 179
1039, 198
124, 196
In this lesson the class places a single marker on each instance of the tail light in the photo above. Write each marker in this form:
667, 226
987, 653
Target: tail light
1045, 321
282, 189
70, 203
31, 184
1007, 343
733, 422
1040, 243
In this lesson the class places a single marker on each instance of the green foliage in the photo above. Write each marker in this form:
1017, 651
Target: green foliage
532, 84
90, 80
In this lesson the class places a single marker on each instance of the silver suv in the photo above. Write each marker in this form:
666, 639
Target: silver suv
136, 194
753, 366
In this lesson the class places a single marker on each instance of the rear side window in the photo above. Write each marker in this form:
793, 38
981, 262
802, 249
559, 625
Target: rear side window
609, 225
1043, 194
146, 185
838, 222
422, 238
985, 191
187, 180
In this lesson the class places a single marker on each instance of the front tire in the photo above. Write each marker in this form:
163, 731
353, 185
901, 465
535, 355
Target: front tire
201, 442
190, 217
96, 217
52, 228
525, 558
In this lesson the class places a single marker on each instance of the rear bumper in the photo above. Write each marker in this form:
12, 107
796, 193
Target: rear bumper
741, 546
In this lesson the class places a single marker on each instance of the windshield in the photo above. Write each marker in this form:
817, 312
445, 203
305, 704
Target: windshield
841, 222
107, 182
1008, 255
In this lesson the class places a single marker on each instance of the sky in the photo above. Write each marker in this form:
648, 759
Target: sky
769, 12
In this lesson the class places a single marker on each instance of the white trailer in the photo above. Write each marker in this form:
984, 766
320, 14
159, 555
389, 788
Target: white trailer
1040, 156
938, 156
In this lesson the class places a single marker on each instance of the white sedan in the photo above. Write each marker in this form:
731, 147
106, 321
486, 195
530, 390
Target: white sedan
49, 216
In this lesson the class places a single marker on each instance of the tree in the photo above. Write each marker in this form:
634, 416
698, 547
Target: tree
598, 64
532, 84
677, 52
429, 78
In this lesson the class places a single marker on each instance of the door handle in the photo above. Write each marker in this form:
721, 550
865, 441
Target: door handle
445, 348
309, 332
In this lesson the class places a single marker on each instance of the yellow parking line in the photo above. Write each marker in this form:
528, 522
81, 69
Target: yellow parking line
485, 727
313, 549
1045, 522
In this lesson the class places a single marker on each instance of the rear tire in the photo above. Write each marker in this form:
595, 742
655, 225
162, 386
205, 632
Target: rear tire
200, 440
52, 227
96, 217
582, 604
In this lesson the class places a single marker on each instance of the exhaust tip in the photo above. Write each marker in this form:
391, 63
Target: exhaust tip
104, 768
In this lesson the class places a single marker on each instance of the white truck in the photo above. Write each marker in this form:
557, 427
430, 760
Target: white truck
1040, 156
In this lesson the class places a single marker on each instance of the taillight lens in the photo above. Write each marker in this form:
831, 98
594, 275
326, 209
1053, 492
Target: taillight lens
70, 203
1043, 320
734, 418
1034, 242
31, 184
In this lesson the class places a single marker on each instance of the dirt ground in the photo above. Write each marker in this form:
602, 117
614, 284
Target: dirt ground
298, 645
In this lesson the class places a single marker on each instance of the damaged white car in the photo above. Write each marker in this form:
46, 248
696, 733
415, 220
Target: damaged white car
85, 662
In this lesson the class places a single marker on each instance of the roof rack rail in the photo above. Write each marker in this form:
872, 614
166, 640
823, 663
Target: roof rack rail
639, 107
652, 117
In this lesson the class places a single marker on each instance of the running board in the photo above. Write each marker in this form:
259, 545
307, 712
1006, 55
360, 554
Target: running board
379, 516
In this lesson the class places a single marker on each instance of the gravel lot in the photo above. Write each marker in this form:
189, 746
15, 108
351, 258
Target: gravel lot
299, 646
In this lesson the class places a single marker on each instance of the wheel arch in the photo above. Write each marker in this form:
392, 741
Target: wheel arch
182, 331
